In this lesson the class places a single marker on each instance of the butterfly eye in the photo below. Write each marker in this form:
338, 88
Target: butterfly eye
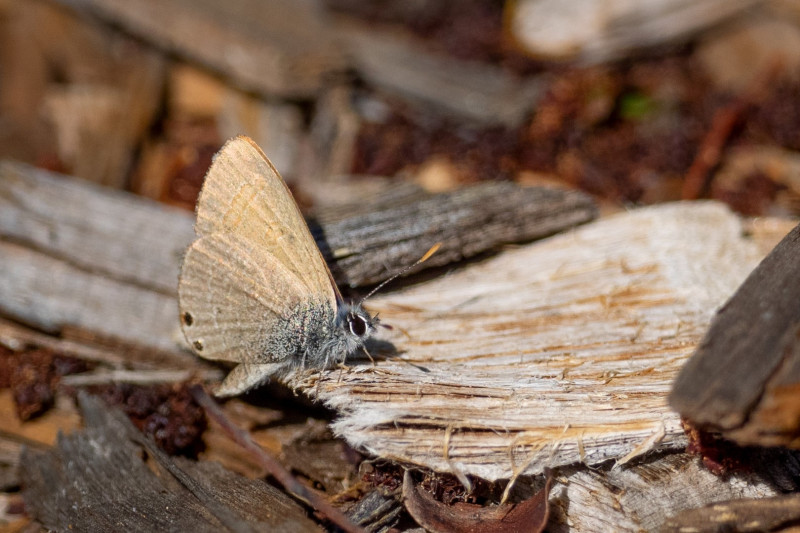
358, 325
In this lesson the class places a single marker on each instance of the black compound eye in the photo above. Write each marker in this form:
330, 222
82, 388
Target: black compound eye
358, 325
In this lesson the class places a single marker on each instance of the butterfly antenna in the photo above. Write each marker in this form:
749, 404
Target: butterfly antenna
422, 259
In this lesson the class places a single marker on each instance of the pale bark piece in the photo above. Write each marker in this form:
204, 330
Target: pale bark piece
78, 255
596, 31
50, 294
332, 135
400, 64
100, 230
98, 480
559, 352
281, 48
643, 497
743, 379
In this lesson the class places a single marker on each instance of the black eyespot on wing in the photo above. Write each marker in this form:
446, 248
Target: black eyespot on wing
188, 319
198, 345
358, 325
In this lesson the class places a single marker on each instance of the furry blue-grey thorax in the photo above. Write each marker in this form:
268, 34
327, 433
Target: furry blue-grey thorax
315, 335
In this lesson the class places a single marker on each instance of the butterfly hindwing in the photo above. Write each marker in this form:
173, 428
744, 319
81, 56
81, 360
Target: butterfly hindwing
231, 294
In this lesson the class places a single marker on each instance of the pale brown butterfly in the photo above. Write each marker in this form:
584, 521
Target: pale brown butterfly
254, 288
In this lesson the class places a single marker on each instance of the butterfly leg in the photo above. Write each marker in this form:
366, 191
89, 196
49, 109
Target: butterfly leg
319, 375
368, 355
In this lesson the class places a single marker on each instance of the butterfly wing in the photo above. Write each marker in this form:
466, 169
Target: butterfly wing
253, 262
243, 194
232, 294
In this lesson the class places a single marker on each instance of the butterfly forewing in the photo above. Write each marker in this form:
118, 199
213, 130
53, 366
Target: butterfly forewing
232, 293
244, 195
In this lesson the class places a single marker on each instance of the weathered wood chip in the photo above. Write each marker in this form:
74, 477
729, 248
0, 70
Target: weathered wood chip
762, 514
744, 378
374, 243
643, 496
273, 48
109, 477
478, 92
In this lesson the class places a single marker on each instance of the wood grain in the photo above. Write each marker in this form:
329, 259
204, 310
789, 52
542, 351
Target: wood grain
103, 232
778, 513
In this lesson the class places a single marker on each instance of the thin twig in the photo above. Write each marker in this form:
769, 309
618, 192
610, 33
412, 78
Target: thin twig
243, 439
17, 337
138, 377
722, 125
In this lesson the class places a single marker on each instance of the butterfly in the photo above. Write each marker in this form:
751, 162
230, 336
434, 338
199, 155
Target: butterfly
254, 288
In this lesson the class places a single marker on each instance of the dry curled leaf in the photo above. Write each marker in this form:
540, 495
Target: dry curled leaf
527, 516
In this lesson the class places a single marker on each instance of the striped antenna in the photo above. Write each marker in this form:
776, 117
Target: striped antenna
422, 259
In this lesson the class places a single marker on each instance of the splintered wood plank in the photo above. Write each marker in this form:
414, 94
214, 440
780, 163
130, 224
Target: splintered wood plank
280, 48
558, 352
745, 376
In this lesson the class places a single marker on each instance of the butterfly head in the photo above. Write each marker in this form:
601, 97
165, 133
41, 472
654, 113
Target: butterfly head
357, 324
